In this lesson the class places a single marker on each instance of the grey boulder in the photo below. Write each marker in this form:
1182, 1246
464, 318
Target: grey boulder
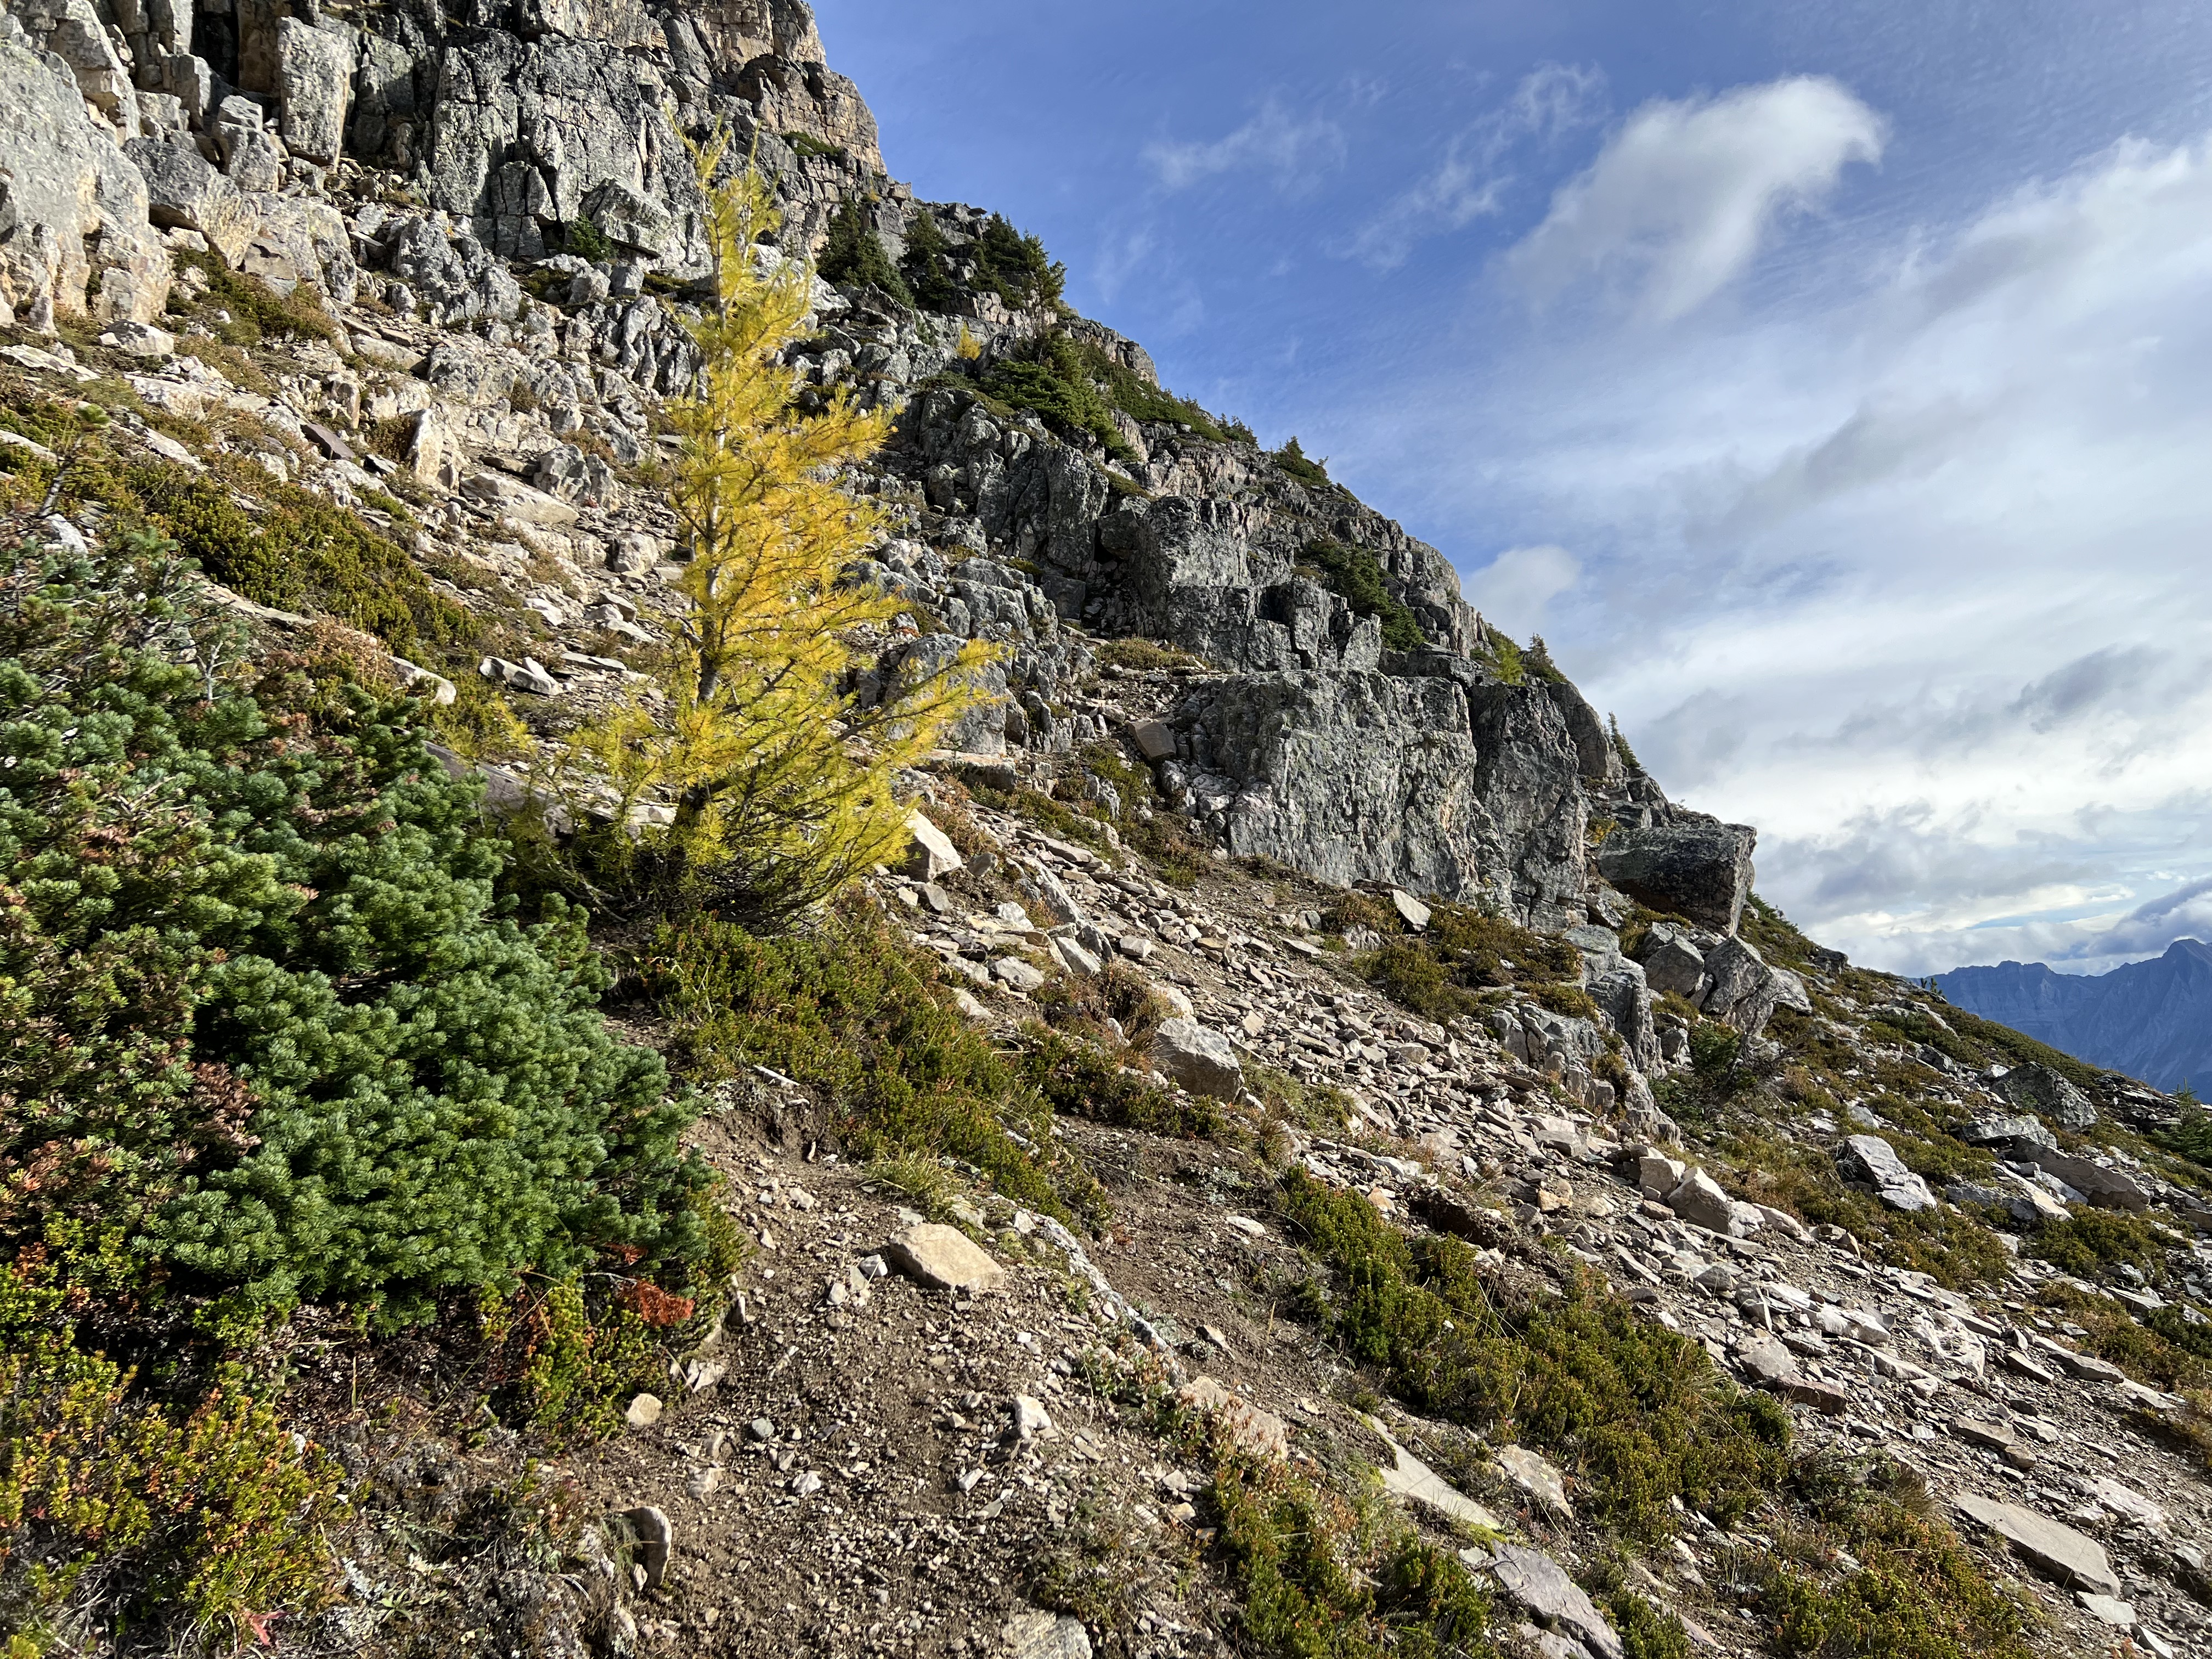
1198, 1058
1871, 1159
78, 206
2040, 1090
1671, 961
1541, 1588
933, 854
1700, 1201
2023, 1132
2107, 1188
1744, 991
2059, 1550
183, 190
941, 1258
1700, 870
314, 71
1625, 1001
1045, 1635
630, 218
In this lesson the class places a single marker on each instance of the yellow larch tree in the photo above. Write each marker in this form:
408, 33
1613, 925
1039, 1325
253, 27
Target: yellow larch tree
779, 769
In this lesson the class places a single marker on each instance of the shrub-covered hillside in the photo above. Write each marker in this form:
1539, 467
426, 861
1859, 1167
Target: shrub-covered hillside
271, 1037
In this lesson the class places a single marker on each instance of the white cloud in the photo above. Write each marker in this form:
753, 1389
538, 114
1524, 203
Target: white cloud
1905, 567
1274, 141
1513, 588
1471, 181
1681, 198
1121, 255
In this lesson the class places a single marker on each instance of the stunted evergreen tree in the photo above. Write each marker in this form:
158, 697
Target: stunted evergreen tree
780, 767
854, 254
924, 267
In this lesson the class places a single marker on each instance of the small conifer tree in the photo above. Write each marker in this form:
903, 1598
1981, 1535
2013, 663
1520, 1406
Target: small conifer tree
854, 254
1017, 266
1620, 743
777, 752
927, 276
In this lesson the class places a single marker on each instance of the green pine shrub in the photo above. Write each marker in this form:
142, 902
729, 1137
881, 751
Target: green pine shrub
582, 237
1451, 967
259, 1007
1952, 1246
299, 552
1140, 399
258, 314
2089, 1243
1052, 380
1633, 1409
1538, 661
1015, 267
1620, 743
1319, 1578
2191, 1134
855, 254
928, 277
1299, 465
2164, 1347
806, 144
1357, 575
1646, 1631
1640, 1415
1916, 1591
1083, 1079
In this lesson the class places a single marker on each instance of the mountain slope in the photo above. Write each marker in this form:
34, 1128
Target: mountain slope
1310, 1153
2151, 1019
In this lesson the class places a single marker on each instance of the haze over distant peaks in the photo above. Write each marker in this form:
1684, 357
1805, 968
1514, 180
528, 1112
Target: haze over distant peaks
2151, 1019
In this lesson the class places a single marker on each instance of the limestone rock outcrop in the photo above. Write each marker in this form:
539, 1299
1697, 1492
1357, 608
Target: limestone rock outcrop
72, 207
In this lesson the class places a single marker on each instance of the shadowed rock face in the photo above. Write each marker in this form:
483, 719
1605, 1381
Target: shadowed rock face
2151, 1019
1318, 748
1698, 870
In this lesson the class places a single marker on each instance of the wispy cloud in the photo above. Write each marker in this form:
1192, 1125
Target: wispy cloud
1681, 198
1471, 180
1513, 588
1901, 561
1294, 149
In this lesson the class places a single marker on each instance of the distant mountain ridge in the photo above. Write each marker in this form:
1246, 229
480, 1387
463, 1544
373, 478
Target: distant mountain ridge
2151, 1019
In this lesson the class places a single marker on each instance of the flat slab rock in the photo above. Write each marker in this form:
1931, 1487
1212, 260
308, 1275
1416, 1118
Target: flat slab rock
1415, 1482
1045, 1635
1535, 1474
1253, 1428
1541, 1586
941, 1258
2059, 1550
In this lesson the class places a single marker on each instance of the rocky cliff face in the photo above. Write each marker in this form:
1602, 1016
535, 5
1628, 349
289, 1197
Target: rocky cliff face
2151, 1019
518, 175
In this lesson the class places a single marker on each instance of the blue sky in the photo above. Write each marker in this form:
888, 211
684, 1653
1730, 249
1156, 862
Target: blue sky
1828, 385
